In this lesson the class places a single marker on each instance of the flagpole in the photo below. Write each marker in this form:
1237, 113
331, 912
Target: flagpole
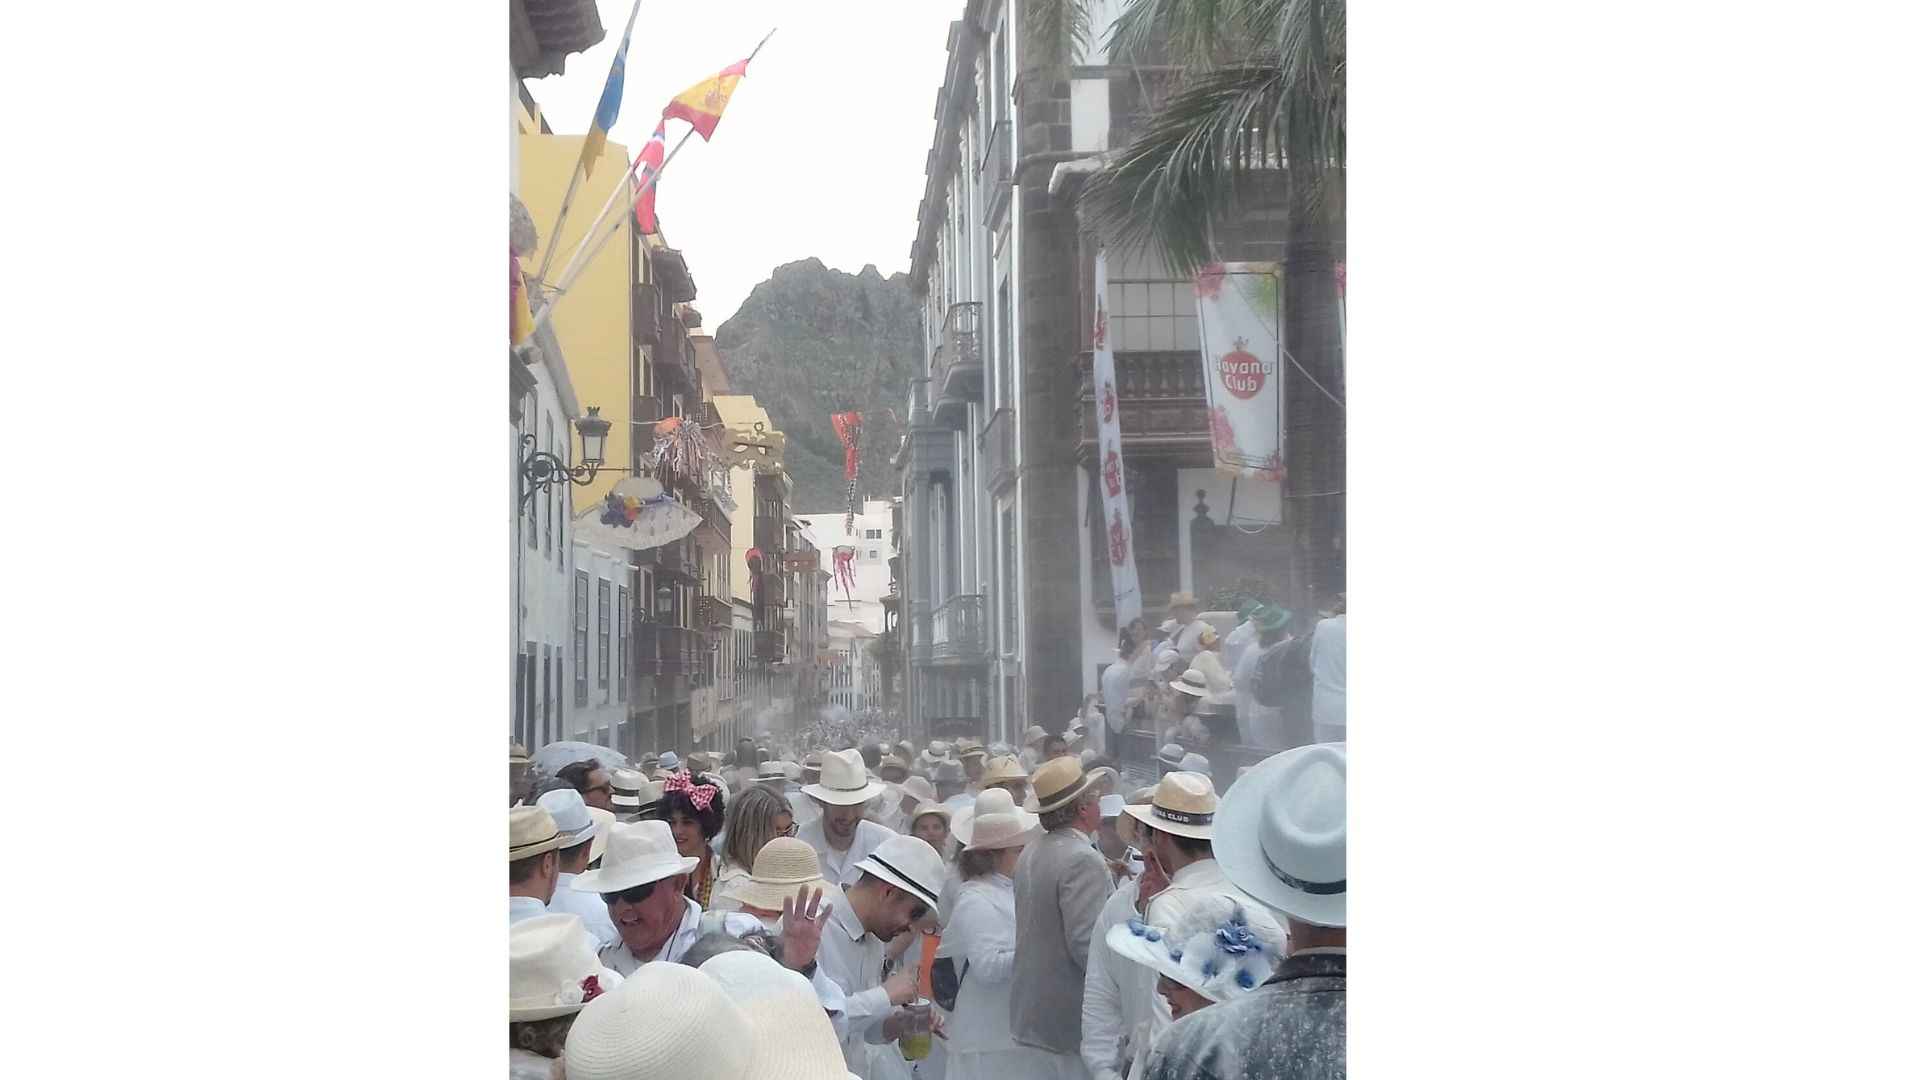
577, 265
580, 166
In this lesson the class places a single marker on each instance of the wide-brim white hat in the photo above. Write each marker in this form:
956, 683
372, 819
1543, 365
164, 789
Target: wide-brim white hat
1217, 947
1281, 833
909, 863
792, 1037
990, 801
549, 959
844, 780
638, 852
996, 832
666, 1020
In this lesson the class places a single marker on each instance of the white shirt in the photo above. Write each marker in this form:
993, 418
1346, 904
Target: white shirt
523, 907
853, 959
1260, 725
591, 907
1116, 1011
980, 941
1329, 660
1238, 642
1186, 639
838, 866
621, 959
1115, 683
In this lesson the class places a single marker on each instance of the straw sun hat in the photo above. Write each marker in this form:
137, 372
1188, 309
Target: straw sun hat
553, 968
919, 787
531, 831
1216, 947
667, 1020
1183, 804
844, 780
1001, 770
1057, 783
784, 865
995, 829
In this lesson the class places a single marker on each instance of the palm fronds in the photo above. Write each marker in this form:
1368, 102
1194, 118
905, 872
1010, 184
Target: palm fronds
1054, 32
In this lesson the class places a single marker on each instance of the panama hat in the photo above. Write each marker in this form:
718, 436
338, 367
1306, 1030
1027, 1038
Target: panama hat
792, 1037
993, 822
972, 751
1183, 804
1123, 825
569, 816
698, 763
1282, 833
627, 784
844, 780
1036, 734
793, 771
909, 863
553, 968
602, 828
637, 852
1217, 947
991, 801
1171, 754
1057, 783
1192, 682
669, 761
531, 831
948, 772
918, 787
666, 1020
1110, 806
931, 807
782, 867
1194, 763
1001, 770
1182, 599
517, 754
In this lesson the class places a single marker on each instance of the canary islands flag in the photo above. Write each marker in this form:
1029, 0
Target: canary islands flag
608, 110
702, 103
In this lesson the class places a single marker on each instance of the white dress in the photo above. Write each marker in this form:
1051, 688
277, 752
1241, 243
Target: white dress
980, 941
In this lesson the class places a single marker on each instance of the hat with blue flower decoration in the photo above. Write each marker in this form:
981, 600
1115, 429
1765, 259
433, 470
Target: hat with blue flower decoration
1217, 946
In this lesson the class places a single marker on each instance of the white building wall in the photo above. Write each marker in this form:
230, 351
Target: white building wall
542, 573
826, 530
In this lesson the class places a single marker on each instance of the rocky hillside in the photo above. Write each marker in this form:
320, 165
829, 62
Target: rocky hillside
812, 341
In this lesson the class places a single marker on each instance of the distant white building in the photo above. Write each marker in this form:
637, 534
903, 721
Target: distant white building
851, 673
871, 539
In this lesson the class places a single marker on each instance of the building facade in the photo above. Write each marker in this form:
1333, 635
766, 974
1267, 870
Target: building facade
871, 541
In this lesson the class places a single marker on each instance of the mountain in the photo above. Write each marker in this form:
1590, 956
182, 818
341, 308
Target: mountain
811, 341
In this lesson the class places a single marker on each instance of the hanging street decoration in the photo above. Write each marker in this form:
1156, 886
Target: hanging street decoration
758, 447
1113, 470
1239, 306
843, 569
847, 426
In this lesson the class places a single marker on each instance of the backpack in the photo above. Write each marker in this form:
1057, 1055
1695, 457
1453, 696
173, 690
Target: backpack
1284, 668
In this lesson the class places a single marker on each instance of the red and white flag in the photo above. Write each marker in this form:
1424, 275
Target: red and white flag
651, 157
1117, 515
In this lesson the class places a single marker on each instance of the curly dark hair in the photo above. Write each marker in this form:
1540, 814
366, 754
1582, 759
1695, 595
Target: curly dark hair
711, 819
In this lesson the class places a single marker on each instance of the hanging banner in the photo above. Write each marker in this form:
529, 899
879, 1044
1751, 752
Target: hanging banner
1240, 350
1116, 517
847, 426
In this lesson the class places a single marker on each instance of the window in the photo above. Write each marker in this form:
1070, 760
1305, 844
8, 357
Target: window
1003, 348
605, 599
873, 534
873, 553
1147, 309
580, 638
625, 615
1009, 586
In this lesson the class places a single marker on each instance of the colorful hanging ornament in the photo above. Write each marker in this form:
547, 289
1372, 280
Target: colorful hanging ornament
843, 568
847, 426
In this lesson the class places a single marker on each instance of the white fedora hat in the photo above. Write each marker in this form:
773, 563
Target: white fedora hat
1171, 753
792, 1037
530, 831
667, 1020
990, 801
637, 852
993, 832
910, 863
1195, 763
919, 787
844, 780
602, 828
1217, 947
783, 866
1282, 833
633, 792
1183, 804
553, 968
1192, 682
569, 814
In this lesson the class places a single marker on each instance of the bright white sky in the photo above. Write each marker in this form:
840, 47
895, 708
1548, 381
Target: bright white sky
822, 151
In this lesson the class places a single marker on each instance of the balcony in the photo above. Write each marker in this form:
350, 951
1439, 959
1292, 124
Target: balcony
958, 374
1002, 451
960, 630
646, 314
1162, 403
996, 171
713, 612
668, 650
769, 646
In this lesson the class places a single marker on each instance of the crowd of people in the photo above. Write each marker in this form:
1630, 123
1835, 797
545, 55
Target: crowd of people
961, 911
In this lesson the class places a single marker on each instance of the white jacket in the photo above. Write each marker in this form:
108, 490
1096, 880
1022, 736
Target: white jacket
980, 942
1116, 1010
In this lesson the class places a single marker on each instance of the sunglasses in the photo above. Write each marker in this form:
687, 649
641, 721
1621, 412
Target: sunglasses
791, 830
636, 895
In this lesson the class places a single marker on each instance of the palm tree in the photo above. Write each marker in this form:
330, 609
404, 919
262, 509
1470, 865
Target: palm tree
1262, 81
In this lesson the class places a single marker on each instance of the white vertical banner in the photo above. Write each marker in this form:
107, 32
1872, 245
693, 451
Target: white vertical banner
1241, 346
1116, 516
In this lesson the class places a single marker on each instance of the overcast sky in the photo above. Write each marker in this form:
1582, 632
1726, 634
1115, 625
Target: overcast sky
822, 151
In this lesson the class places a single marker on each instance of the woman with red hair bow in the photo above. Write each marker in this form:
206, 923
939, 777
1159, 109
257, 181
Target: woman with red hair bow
695, 809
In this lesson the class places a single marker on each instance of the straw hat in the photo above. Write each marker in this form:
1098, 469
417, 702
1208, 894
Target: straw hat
793, 771
991, 801
784, 864
549, 960
918, 787
993, 822
699, 762
1183, 804
1283, 833
893, 761
637, 852
909, 863
666, 1020
1036, 735
531, 831
1182, 599
971, 749
569, 815
792, 1037
517, 754
948, 771
1001, 770
629, 788
844, 780
1123, 825
1216, 946
928, 806
1057, 783
1192, 682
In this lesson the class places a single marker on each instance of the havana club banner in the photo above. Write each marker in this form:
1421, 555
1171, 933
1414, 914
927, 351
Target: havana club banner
1116, 517
1241, 350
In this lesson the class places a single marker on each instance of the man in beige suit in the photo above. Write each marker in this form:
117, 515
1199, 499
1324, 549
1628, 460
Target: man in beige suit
1059, 888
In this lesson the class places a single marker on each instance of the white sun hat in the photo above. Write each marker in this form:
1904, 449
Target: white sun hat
792, 1037
1036, 734
1195, 763
667, 1020
991, 801
637, 852
1111, 805
993, 832
1216, 947
553, 968
783, 866
844, 780
919, 787
1282, 833
602, 828
910, 863
1183, 804
569, 814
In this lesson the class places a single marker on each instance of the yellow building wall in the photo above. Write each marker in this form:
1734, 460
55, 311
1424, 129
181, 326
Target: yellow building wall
594, 323
742, 410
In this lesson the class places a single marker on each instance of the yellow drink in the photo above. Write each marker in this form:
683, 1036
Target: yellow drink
917, 1046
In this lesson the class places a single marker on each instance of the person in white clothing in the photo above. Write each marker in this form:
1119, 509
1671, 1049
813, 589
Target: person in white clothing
1241, 638
1116, 1013
1184, 628
533, 867
1329, 660
842, 836
1260, 725
552, 972
583, 835
897, 886
643, 880
980, 941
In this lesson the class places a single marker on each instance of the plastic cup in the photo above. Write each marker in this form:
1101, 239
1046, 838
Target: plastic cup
916, 1039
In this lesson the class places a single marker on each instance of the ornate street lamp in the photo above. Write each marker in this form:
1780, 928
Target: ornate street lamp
540, 470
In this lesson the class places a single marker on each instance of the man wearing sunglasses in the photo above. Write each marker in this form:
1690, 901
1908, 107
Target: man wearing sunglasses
899, 883
590, 779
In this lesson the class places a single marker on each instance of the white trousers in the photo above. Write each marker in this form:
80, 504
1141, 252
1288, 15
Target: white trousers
1001, 1064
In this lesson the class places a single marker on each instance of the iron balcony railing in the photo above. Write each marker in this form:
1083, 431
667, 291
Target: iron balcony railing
960, 628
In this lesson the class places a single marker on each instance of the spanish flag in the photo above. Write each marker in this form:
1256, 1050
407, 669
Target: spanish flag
702, 103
